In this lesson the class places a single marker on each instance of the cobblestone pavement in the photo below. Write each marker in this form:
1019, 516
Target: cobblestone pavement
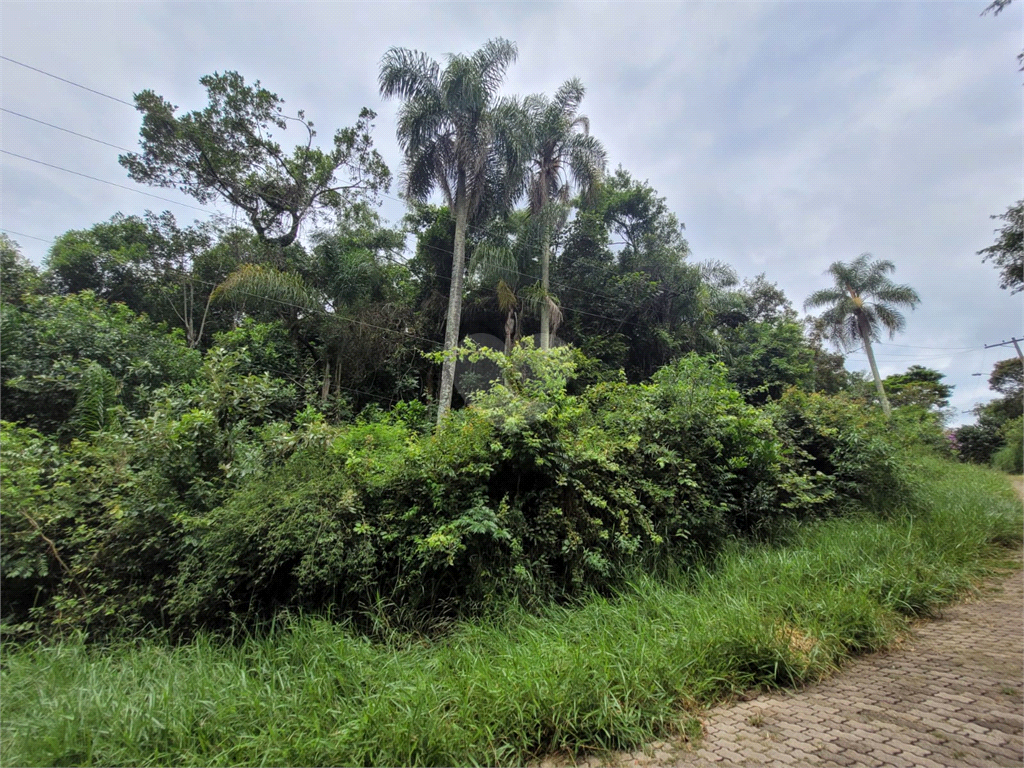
951, 695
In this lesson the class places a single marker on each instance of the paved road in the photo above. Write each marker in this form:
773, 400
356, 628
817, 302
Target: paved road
952, 695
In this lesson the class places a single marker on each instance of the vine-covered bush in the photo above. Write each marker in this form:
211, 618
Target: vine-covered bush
529, 493
216, 506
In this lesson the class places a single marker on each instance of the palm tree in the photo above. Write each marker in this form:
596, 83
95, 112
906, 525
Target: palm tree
862, 302
506, 261
457, 136
565, 155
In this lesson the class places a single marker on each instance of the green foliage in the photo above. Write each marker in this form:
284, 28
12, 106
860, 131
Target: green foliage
919, 386
768, 357
96, 406
1007, 253
603, 674
853, 455
18, 275
978, 443
112, 517
50, 342
227, 151
1010, 458
530, 493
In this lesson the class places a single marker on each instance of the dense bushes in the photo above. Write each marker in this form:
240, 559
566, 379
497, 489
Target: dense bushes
217, 505
1010, 458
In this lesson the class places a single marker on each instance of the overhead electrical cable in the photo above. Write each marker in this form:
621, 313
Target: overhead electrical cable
104, 181
66, 130
69, 82
22, 234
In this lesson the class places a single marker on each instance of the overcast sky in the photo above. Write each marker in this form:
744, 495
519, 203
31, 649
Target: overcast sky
784, 135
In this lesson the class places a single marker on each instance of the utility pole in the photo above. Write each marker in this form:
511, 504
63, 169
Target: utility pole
1015, 346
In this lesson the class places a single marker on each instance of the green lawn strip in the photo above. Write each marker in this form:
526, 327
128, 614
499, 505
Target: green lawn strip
606, 674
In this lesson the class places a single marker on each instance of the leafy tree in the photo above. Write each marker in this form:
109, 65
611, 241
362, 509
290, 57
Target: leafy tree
148, 263
979, 442
862, 302
919, 386
18, 275
1008, 379
765, 351
227, 151
342, 303
109, 259
1007, 253
457, 136
51, 343
565, 156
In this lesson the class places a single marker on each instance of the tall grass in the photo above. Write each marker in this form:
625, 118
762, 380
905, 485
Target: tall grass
605, 674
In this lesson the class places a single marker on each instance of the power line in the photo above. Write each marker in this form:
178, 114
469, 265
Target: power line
22, 234
916, 346
69, 82
66, 130
111, 183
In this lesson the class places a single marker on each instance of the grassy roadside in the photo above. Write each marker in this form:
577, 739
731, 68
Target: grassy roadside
606, 674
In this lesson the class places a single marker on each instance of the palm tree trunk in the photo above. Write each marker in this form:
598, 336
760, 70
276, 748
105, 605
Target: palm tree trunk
865, 334
451, 333
545, 309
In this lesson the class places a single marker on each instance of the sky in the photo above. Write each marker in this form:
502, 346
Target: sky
784, 135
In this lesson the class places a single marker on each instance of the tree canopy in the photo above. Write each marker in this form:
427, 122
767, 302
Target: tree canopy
227, 151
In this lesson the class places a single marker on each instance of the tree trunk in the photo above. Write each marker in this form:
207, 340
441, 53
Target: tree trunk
865, 334
545, 308
325, 389
451, 333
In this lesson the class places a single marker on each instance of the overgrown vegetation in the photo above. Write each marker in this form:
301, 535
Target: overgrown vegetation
603, 673
222, 443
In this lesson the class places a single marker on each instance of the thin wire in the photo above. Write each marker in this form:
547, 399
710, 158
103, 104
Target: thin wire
66, 130
916, 346
22, 234
104, 181
69, 82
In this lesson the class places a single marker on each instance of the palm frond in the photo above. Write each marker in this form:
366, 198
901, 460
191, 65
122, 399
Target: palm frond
569, 96
268, 286
825, 297
407, 74
96, 404
493, 60
890, 318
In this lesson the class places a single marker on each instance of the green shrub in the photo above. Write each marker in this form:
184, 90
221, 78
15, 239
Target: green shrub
1010, 458
529, 493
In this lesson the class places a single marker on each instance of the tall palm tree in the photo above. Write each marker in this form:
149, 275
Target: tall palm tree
565, 156
506, 260
863, 302
459, 137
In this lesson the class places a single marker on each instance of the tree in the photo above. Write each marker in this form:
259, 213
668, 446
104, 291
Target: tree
343, 303
18, 275
227, 151
565, 156
919, 386
1007, 253
457, 136
862, 302
766, 351
506, 261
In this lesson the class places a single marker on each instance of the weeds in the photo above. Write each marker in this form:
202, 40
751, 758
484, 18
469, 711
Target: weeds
604, 674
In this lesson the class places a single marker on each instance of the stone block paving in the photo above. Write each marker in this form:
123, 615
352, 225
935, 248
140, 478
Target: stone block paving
951, 695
